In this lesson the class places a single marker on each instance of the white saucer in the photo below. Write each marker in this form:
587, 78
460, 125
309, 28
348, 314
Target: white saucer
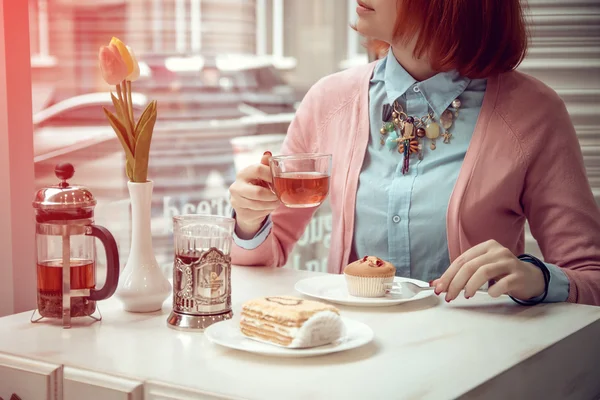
333, 289
228, 334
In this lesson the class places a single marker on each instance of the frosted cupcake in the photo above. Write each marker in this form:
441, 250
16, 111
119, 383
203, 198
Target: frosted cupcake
366, 277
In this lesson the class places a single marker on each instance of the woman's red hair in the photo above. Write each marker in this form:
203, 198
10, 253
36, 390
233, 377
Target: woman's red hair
478, 38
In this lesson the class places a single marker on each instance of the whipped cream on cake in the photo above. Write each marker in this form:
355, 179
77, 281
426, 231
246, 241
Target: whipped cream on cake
291, 322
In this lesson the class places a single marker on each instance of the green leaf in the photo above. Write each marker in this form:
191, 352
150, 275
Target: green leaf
129, 169
150, 108
118, 108
125, 120
142, 148
120, 131
122, 135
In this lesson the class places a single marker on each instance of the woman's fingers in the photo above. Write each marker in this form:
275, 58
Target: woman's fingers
265, 158
254, 192
494, 270
241, 204
486, 262
256, 171
503, 286
251, 197
444, 282
466, 272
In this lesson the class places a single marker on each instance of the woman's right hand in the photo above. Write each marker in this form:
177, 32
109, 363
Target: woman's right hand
251, 198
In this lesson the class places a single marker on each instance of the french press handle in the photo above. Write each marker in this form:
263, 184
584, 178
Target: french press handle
112, 263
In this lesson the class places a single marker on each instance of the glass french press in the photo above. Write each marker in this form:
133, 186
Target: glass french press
66, 252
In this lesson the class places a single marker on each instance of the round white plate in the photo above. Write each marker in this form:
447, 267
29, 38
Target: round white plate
333, 289
228, 334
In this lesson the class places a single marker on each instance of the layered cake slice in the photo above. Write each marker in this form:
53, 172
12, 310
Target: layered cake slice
291, 322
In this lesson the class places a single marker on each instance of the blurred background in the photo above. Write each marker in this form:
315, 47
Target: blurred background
228, 76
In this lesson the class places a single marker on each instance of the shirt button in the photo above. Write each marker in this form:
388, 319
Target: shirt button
396, 219
416, 89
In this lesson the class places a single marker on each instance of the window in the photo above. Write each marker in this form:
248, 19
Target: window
220, 71
40, 34
355, 52
79, 112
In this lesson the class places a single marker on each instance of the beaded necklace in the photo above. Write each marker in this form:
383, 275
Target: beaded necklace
406, 133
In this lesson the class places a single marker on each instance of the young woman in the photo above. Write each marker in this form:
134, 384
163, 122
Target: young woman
441, 152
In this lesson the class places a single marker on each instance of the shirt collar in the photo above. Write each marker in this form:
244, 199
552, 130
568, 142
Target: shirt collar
439, 91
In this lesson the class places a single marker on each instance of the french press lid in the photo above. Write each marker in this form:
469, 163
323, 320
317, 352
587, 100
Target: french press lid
63, 196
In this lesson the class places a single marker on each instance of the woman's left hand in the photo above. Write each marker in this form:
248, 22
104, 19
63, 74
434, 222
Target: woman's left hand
491, 261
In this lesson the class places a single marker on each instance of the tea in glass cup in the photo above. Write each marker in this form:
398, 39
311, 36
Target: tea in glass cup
201, 271
301, 180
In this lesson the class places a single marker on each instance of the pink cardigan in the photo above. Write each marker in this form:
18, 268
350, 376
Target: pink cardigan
524, 162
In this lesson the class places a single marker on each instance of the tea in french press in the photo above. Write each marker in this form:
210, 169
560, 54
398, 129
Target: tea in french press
66, 252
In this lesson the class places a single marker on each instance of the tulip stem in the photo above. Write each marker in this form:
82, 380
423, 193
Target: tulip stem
127, 109
130, 111
122, 93
125, 105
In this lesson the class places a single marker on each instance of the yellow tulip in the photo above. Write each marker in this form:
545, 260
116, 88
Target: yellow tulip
127, 59
135, 74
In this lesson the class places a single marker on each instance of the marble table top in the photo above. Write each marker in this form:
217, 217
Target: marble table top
481, 347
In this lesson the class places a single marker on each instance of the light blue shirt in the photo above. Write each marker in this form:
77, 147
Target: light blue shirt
402, 218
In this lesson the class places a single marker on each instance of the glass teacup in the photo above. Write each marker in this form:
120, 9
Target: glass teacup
301, 180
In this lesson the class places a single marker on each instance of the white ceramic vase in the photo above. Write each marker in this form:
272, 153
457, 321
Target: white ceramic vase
142, 285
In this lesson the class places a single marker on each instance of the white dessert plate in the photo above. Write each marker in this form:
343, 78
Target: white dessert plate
333, 289
228, 334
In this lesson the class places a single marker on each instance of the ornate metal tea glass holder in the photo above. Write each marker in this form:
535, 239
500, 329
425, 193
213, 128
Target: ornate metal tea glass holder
201, 271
